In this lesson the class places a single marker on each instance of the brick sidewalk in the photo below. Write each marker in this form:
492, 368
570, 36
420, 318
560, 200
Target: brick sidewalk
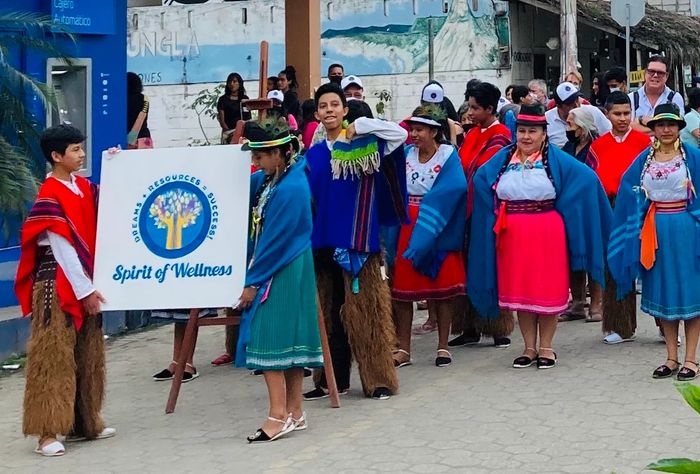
598, 411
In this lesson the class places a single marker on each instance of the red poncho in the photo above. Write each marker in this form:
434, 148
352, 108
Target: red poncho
59, 210
478, 147
610, 159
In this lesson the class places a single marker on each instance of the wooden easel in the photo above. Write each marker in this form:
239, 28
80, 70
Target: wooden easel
233, 318
261, 104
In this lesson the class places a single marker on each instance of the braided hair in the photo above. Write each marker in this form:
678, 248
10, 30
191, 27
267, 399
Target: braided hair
509, 157
650, 157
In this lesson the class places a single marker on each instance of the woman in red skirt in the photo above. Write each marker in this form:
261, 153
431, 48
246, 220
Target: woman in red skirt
429, 263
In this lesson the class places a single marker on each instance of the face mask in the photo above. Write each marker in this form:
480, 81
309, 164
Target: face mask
336, 79
614, 89
467, 126
571, 136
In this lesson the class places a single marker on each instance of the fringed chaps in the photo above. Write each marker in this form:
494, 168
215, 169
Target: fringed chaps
65, 373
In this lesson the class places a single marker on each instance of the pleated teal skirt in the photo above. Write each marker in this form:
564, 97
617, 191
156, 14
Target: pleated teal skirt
284, 330
671, 289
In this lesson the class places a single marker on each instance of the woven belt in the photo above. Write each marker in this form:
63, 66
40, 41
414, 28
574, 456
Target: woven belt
415, 199
670, 207
520, 207
45, 264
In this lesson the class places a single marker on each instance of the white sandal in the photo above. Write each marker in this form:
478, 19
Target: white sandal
300, 424
104, 434
261, 436
53, 449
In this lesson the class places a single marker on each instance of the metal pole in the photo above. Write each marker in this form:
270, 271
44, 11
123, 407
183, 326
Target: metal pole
627, 40
431, 51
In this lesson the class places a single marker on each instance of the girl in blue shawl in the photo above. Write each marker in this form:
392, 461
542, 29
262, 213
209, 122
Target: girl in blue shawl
537, 214
279, 330
655, 234
429, 262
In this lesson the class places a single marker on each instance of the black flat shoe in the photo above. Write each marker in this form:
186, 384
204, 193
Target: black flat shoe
686, 373
664, 371
524, 361
260, 436
163, 375
381, 393
547, 362
443, 360
501, 342
465, 339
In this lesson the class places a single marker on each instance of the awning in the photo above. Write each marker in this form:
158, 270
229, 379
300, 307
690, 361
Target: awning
676, 35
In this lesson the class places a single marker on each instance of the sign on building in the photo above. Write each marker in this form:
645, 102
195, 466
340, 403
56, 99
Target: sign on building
636, 77
172, 228
84, 16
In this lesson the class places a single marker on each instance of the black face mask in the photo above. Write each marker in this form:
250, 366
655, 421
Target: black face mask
467, 126
335, 79
571, 136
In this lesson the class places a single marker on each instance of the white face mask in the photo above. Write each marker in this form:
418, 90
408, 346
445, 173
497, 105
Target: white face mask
614, 89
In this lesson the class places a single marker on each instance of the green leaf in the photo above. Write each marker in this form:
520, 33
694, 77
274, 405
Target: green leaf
677, 465
691, 394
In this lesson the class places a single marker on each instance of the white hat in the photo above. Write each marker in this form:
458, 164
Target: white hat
433, 93
276, 94
502, 102
348, 80
565, 93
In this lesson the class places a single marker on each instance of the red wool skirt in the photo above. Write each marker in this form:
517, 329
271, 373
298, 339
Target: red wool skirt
410, 285
533, 263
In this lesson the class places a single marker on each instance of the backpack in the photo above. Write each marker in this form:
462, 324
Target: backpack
669, 99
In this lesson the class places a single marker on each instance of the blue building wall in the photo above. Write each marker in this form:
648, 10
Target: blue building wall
100, 28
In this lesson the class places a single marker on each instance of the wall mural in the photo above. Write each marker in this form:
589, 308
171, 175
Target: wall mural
186, 43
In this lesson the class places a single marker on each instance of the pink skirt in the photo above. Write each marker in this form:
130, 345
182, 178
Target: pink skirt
533, 263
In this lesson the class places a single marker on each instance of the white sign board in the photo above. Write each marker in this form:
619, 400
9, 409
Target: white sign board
172, 227
618, 11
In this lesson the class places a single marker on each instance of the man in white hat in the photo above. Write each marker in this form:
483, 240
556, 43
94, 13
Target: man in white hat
567, 97
353, 88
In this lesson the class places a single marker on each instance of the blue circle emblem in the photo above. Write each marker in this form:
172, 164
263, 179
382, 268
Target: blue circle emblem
174, 219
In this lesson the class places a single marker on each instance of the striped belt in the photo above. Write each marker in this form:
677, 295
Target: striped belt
520, 207
649, 242
414, 199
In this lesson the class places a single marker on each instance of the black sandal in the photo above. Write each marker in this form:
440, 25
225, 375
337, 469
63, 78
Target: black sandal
664, 371
524, 361
547, 362
686, 373
441, 360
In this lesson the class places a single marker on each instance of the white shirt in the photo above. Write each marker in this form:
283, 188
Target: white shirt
390, 132
646, 108
556, 127
420, 177
65, 254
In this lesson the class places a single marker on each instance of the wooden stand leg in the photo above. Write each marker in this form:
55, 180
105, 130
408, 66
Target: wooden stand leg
185, 351
327, 361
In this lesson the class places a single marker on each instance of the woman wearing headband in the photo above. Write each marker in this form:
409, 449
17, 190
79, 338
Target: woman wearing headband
429, 263
279, 330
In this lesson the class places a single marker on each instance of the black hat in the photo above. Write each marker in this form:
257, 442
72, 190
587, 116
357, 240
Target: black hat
268, 134
531, 115
666, 112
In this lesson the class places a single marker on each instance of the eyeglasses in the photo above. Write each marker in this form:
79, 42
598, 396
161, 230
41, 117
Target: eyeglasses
654, 73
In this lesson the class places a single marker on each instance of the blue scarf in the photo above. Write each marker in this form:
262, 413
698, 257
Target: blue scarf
441, 221
581, 202
286, 234
631, 206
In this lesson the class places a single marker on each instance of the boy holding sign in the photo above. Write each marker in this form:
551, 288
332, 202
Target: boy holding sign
65, 353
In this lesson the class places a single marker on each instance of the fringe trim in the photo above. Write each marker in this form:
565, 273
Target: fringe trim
344, 168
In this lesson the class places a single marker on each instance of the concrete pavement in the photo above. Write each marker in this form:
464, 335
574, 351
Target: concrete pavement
598, 411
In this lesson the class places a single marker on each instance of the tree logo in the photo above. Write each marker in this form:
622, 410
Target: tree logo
176, 217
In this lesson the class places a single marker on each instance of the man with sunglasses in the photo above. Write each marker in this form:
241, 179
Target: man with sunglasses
653, 93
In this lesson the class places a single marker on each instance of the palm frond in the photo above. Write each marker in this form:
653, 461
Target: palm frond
15, 80
18, 185
33, 22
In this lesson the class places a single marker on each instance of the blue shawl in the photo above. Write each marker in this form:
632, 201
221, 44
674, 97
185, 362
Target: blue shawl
581, 202
441, 221
286, 234
631, 205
